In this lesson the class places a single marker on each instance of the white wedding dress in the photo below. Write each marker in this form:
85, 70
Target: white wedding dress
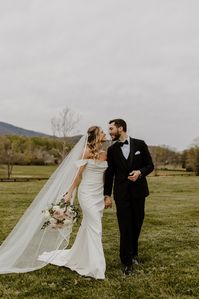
86, 256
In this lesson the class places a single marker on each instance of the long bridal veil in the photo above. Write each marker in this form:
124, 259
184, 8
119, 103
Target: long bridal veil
20, 250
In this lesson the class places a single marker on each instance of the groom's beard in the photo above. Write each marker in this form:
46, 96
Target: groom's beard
115, 137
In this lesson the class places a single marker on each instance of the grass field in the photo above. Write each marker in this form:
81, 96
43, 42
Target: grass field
27, 171
169, 246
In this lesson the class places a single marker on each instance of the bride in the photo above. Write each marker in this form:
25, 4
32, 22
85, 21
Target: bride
28, 248
86, 255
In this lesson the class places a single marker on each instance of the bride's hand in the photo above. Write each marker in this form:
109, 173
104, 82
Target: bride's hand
108, 202
67, 196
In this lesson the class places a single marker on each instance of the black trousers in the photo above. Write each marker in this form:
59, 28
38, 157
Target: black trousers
130, 215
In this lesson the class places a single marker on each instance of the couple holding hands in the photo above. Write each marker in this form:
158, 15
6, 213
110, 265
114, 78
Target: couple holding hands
123, 168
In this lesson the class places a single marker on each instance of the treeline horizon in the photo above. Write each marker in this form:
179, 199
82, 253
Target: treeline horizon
23, 150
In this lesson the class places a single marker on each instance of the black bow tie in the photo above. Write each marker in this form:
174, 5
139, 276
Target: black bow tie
122, 143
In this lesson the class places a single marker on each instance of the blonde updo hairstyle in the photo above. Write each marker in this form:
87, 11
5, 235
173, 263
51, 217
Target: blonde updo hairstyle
93, 140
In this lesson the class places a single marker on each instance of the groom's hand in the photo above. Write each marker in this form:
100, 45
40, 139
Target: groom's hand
134, 175
108, 202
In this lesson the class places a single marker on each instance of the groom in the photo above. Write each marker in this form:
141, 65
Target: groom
129, 162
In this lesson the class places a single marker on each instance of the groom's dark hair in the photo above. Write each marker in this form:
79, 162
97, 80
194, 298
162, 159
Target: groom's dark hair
118, 122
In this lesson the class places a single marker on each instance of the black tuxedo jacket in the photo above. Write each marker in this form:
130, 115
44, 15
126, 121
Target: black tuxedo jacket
119, 168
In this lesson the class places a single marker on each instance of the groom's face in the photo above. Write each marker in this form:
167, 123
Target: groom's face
115, 132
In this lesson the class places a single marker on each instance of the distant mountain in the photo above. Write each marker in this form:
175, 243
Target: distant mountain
8, 129
73, 139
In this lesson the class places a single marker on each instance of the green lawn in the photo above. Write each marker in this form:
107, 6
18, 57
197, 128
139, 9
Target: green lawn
169, 246
27, 171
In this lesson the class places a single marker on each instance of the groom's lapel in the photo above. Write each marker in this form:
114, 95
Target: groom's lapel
131, 154
121, 157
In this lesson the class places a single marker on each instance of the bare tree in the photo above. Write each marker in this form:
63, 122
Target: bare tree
54, 125
9, 154
65, 123
63, 126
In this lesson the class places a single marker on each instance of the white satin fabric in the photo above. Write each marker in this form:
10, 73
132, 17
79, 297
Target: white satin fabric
86, 256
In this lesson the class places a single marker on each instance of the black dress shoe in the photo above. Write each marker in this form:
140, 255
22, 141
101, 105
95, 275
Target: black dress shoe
128, 270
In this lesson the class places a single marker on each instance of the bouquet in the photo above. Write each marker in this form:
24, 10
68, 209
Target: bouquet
60, 215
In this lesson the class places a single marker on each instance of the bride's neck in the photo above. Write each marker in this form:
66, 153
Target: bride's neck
98, 146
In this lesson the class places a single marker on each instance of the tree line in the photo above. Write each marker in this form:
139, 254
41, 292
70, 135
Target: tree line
45, 150
163, 156
19, 150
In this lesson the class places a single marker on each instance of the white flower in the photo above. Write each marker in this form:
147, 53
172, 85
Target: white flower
70, 210
56, 208
67, 221
53, 221
46, 214
59, 215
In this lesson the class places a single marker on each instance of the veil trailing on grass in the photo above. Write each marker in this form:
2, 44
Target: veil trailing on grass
20, 250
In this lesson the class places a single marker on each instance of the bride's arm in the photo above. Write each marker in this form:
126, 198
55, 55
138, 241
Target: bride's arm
77, 180
75, 183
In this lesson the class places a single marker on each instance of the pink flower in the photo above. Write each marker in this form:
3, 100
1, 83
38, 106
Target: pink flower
57, 225
59, 214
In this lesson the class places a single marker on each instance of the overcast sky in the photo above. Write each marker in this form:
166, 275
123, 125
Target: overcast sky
133, 59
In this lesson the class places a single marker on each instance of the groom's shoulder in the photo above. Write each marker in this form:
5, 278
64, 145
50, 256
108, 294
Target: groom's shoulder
112, 146
137, 141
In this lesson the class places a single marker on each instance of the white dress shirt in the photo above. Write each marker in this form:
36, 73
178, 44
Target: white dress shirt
126, 148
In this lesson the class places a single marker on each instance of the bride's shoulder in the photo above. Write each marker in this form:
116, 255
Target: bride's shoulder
84, 159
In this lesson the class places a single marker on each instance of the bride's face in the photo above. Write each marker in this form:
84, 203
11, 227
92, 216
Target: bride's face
102, 136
